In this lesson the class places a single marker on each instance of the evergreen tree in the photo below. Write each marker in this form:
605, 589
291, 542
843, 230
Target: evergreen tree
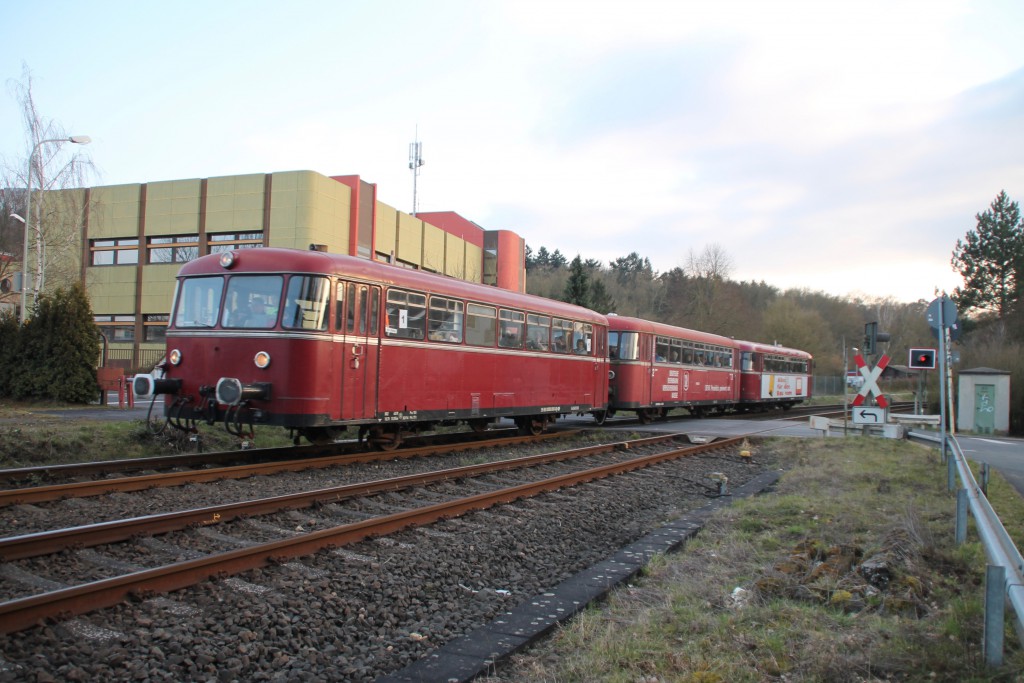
543, 258
8, 348
558, 260
990, 259
577, 288
56, 350
600, 300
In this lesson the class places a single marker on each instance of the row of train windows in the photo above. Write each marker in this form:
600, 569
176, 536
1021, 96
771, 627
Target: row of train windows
668, 350
255, 301
626, 346
773, 363
411, 316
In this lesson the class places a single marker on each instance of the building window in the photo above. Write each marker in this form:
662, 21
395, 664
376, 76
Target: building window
116, 328
176, 249
113, 252
226, 241
154, 327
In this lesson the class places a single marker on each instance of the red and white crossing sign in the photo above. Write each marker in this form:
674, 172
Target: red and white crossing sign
870, 376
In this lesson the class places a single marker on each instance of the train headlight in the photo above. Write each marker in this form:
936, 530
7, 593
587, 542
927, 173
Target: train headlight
174, 357
262, 359
227, 259
611, 374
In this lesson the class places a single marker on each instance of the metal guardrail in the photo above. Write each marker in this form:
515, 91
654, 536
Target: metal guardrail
1006, 563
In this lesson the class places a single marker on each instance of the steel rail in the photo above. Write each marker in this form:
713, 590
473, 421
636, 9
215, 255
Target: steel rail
25, 612
202, 459
89, 535
85, 489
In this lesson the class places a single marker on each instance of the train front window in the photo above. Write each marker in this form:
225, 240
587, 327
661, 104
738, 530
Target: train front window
199, 302
306, 303
252, 301
623, 345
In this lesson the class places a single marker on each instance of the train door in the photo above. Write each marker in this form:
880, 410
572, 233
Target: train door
600, 366
647, 360
360, 351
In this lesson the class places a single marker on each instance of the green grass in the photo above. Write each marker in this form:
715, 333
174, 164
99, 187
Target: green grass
800, 613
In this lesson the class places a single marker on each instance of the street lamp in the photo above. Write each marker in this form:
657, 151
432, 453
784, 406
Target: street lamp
78, 140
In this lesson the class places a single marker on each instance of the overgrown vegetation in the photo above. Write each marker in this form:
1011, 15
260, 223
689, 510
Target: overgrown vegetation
31, 436
848, 572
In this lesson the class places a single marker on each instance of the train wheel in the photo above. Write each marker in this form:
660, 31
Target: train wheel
600, 416
531, 425
646, 416
479, 425
385, 439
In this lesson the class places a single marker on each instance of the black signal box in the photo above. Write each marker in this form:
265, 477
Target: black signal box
922, 359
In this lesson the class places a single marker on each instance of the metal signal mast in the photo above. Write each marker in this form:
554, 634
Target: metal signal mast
415, 161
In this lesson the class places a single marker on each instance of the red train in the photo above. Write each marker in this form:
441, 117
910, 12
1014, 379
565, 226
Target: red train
656, 368
318, 343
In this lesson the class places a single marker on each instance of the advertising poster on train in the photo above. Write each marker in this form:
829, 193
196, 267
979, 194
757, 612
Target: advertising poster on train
783, 386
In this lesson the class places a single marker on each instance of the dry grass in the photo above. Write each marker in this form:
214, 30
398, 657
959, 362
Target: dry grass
772, 589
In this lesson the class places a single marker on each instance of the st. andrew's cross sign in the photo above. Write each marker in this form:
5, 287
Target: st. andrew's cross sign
870, 385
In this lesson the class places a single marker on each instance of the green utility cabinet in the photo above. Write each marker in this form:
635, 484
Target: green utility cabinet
984, 401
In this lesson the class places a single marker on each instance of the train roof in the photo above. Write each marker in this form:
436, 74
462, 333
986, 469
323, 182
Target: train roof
626, 323
772, 348
279, 260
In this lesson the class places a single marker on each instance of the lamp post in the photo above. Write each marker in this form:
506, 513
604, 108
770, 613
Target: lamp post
78, 140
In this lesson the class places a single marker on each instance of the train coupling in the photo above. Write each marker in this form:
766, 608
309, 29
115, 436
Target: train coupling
147, 386
231, 391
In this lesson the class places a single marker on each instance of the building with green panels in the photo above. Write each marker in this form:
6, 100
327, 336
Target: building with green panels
127, 242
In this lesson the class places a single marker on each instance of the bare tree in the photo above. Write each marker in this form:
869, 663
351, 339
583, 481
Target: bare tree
708, 274
55, 223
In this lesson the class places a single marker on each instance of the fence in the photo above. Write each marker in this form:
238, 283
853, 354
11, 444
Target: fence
130, 359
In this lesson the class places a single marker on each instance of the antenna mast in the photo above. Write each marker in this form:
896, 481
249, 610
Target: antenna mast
415, 161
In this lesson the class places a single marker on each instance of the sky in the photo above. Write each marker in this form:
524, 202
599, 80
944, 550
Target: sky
841, 147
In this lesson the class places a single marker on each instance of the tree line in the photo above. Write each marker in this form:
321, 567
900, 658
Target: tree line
701, 295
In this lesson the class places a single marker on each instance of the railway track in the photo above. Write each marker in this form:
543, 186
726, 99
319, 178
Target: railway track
50, 473
264, 462
503, 482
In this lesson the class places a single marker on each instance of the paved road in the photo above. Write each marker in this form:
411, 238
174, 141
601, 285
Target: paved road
1004, 454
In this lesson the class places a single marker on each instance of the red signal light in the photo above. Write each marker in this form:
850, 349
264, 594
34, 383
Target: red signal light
922, 359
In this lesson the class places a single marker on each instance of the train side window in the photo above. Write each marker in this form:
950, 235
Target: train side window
538, 331
675, 353
583, 339
307, 303
374, 294
407, 314
661, 349
561, 335
481, 325
626, 345
512, 325
350, 316
445, 322
339, 306
688, 353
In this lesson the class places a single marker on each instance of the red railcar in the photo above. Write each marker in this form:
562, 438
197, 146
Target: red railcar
319, 342
657, 367
773, 375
